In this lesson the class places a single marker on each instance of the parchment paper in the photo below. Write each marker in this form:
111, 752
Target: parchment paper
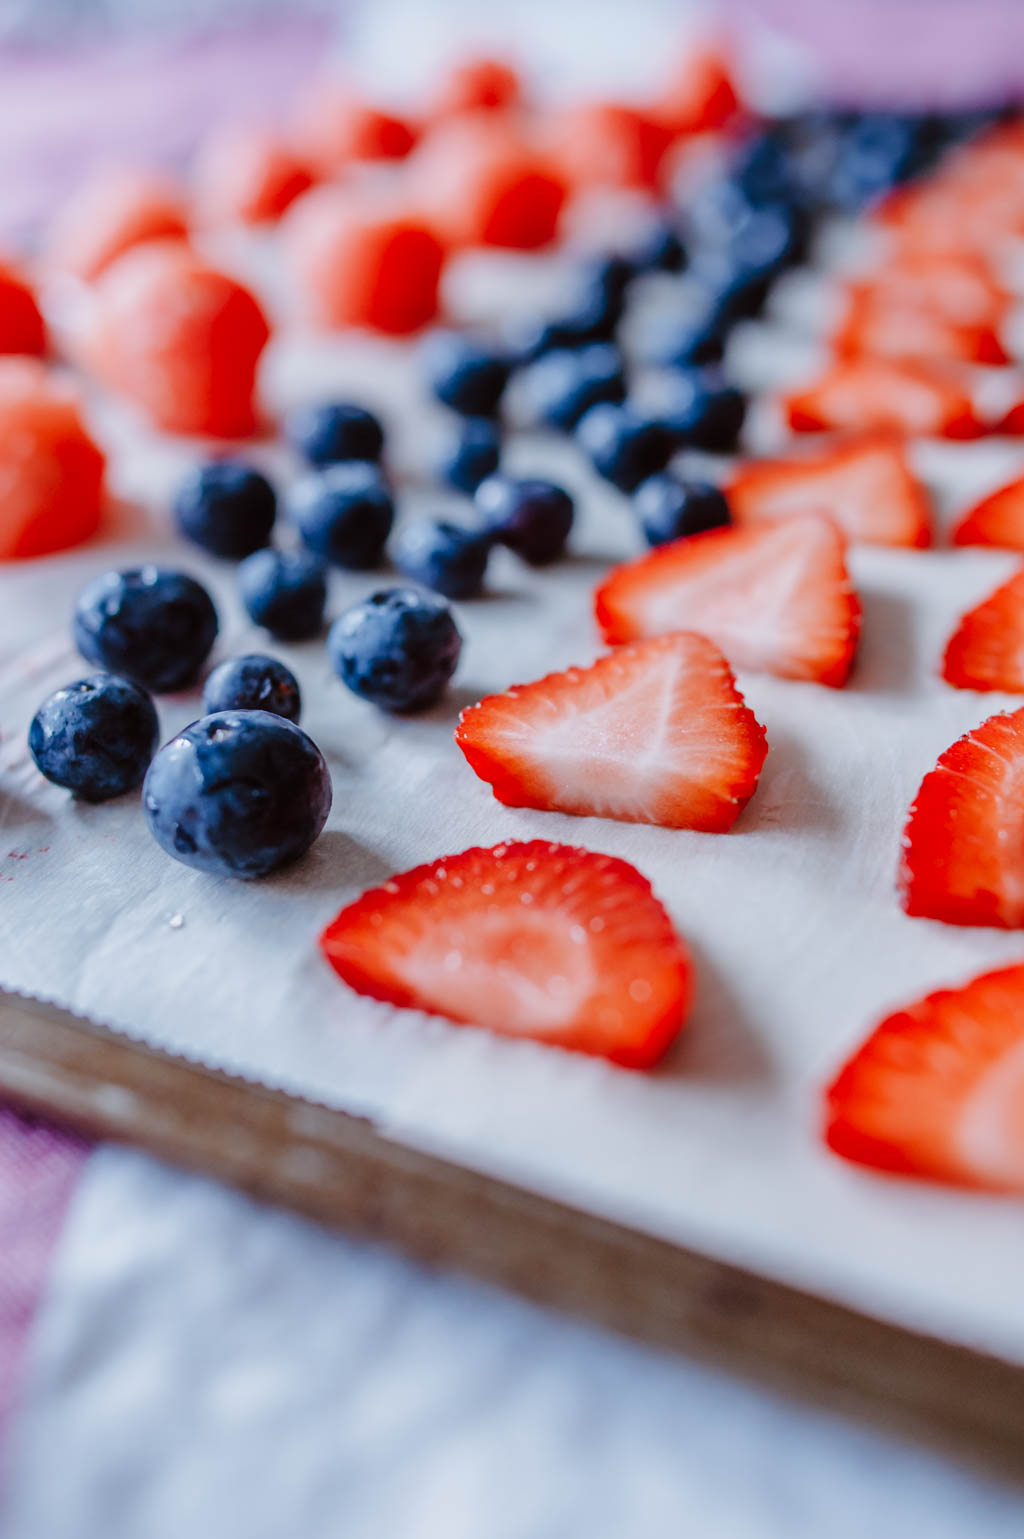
800, 944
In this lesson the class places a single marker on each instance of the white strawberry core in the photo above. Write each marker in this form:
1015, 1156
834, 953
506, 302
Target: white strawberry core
990, 1137
526, 965
753, 609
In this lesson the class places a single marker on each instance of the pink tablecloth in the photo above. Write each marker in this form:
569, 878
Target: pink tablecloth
142, 99
37, 1174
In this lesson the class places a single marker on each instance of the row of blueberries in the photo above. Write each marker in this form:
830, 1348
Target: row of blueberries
741, 231
344, 512
344, 515
243, 790
744, 228
240, 792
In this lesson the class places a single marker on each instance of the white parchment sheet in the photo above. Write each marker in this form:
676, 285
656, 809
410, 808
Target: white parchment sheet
799, 942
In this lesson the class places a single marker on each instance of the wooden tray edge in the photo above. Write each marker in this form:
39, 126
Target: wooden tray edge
337, 1170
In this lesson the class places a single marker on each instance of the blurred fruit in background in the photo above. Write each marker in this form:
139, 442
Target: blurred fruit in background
112, 210
360, 260
249, 174
50, 468
180, 339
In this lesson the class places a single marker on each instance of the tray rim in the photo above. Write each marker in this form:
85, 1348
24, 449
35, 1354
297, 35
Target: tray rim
339, 1170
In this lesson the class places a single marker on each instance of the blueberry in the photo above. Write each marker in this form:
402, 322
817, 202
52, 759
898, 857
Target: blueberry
594, 314
772, 239
738, 276
716, 213
659, 249
815, 139
398, 649
703, 411
762, 169
344, 513
565, 384
152, 625
624, 446
611, 271
669, 509
226, 507
95, 737
285, 591
469, 452
592, 317
446, 557
738, 291
696, 336
240, 793
958, 126
752, 236
253, 683
464, 374
533, 518
334, 431
878, 151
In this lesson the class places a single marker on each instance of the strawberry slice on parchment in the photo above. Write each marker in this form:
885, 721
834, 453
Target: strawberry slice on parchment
776, 599
656, 732
963, 845
863, 484
937, 1090
539, 940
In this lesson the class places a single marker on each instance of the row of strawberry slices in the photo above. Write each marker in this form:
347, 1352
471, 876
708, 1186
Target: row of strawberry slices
573, 949
937, 1089
482, 165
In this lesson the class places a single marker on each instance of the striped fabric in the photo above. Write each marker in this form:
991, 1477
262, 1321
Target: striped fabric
37, 1174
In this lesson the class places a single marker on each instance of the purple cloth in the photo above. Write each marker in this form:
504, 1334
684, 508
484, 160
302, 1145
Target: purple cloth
38, 1168
144, 99
923, 53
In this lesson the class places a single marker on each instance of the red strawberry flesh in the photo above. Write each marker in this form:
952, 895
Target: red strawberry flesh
937, 1090
654, 733
963, 859
775, 599
537, 940
864, 485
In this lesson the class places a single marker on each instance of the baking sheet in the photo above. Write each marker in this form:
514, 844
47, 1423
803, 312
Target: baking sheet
799, 942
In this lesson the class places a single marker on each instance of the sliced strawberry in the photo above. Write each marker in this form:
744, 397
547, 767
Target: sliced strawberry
963, 846
701, 95
360, 259
1011, 425
878, 327
971, 205
877, 394
478, 85
335, 127
479, 182
947, 220
997, 519
937, 1090
610, 144
531, 940
51, 471
776, 599
865, 486
22, 329
654, 733
986, 651
110, 213
248, 174
181, 339
959, 286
